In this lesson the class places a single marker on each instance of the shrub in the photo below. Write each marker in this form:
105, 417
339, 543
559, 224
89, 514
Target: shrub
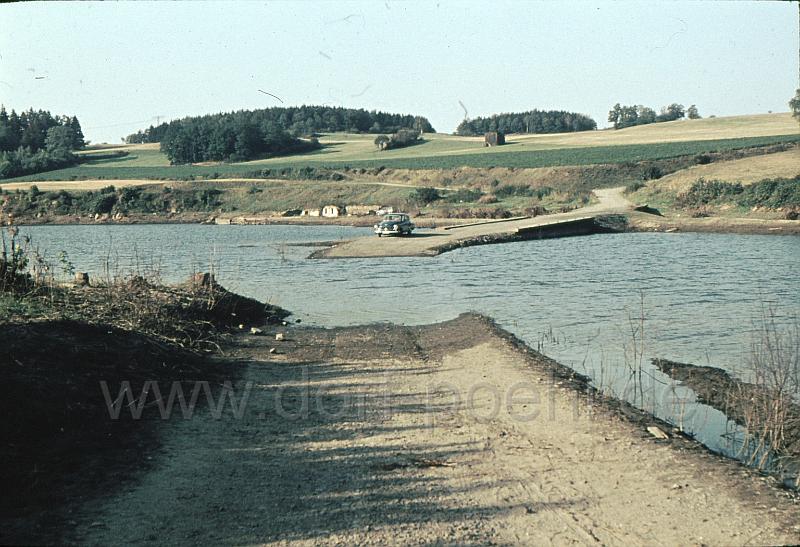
769, 193
522, 190
652, 172
464, 195
208, 197
702, 159
105, 203
704, 192
425, 195
64, 198
14, 252
513, 190
772, 193
497, 212
631, 187
382, 142
130, 194
535, 211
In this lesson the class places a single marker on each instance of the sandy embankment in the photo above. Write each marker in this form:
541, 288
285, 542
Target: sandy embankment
641, 222
450, 433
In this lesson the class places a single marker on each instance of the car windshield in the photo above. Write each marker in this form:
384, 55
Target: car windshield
395, 217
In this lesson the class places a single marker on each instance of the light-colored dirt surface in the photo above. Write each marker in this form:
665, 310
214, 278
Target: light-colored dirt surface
650, 223
439, 435
96, 184
89, 184
610, 201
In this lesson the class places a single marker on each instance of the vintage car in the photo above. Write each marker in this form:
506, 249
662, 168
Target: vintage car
394, 224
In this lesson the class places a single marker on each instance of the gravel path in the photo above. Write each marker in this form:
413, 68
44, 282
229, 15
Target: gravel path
447, 434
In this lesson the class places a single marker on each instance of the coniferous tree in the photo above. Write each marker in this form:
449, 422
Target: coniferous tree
36, 141
77, 132
305, 121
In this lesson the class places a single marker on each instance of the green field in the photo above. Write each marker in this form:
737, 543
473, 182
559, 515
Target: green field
151, 164
651, 142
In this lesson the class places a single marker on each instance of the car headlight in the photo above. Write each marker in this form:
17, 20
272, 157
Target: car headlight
394, 226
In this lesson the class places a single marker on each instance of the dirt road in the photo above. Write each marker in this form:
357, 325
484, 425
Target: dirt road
447, 434
430, 243
96, 184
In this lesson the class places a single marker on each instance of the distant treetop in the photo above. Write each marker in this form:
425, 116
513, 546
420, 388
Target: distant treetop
626, 116
306, 121
532, 121
794, 104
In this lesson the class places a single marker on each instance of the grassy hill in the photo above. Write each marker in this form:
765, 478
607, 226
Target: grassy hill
668, 193
745, 170
530, 173
642, 143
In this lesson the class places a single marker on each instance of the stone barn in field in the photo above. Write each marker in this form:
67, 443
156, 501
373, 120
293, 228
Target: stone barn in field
494, 138
331, 211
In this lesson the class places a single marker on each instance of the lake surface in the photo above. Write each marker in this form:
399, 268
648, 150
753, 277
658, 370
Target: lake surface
580, 300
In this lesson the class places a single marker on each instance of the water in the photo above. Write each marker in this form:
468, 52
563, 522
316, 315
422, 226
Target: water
580, 300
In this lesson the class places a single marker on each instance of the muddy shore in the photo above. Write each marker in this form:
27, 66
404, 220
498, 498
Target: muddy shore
640, 222
455, 432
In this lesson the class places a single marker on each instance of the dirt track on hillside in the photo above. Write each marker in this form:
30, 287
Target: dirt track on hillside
96, 184
416, 435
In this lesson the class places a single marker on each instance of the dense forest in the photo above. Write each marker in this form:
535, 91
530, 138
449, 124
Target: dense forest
533, 121
228, 137
308, 120
35, 141
627, 116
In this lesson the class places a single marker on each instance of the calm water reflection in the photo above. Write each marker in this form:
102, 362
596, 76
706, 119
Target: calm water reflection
575, 298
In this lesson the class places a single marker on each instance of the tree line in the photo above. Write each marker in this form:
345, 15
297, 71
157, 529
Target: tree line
308, 121
630, 115
532, 121
34, 141
238, 136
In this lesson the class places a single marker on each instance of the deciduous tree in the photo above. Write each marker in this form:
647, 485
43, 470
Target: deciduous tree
794, 104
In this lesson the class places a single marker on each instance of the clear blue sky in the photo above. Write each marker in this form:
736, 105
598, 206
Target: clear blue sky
118, 65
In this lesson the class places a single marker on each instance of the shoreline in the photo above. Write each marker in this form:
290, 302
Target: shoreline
392, 405
445, 234
640, 222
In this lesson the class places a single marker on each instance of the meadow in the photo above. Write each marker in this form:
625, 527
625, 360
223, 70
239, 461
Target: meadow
635, 144
745, 170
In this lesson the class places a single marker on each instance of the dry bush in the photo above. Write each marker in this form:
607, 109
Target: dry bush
189, 315
769, 405
14, 258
